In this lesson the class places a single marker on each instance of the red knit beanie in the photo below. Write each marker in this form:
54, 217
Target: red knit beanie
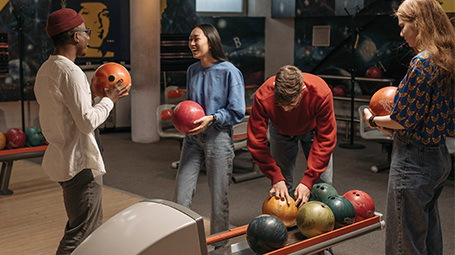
62, 20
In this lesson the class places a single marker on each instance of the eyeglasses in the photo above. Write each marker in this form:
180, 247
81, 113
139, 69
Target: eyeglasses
88, 31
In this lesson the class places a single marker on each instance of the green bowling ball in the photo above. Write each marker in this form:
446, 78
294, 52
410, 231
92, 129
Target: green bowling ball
34, 136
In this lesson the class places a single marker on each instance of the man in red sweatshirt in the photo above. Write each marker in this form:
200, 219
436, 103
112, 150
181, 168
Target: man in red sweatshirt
295, 107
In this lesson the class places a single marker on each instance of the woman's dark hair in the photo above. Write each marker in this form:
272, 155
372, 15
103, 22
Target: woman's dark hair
215, 41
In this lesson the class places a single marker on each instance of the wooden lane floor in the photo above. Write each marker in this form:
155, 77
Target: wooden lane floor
32, 219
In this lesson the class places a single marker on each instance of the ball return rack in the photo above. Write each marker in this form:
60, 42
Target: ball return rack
7, 157
162, 227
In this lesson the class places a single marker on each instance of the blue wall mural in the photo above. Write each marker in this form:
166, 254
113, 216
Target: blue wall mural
36, 45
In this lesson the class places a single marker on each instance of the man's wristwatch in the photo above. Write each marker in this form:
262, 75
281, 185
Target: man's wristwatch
214, 117
371, 121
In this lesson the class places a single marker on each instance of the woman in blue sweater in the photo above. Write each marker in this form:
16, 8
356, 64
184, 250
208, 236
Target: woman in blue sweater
217, 85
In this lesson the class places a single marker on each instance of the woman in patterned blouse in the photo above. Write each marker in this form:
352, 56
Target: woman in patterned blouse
422, 117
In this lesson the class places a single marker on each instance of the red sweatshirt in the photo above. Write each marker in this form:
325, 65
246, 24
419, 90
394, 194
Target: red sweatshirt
314, 111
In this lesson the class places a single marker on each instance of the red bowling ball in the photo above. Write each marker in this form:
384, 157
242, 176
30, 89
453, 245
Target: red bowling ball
381, 102
340, 91
374, 73
184, 115
107, 75
362, 202
15, 138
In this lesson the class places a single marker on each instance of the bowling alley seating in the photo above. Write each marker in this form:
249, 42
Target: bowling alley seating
240, 134
374, 134
174, 95
165, 127
240, 140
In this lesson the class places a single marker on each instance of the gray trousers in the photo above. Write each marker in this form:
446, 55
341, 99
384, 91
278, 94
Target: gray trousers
82, 196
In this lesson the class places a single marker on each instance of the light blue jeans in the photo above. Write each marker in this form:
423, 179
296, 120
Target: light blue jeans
215, 148
417, 176
284, 150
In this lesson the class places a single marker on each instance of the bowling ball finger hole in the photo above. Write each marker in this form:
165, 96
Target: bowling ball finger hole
111, 78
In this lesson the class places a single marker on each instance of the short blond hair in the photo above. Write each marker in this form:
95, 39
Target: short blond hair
288, 84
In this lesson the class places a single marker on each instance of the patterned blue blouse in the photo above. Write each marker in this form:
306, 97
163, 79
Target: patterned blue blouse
423, 104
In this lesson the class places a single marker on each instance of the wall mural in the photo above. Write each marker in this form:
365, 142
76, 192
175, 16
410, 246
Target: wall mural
36, 44
243, 39
110, 25
101, 16
379, 45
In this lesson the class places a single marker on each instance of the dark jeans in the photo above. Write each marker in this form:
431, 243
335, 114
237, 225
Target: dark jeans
285, 149
416, 179
82, 196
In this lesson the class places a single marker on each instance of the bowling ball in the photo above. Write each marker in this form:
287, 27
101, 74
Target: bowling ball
166, 114
175, 93
184, 115
374, 73
381, 102
362, 202
313, 197
107, 75
2, 141
340, 91
281, 209
15, 138
266, 233
342, 209
34, 136
315, 218
323, 191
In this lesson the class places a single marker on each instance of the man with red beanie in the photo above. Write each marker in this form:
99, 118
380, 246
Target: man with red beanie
293, 106
68, 120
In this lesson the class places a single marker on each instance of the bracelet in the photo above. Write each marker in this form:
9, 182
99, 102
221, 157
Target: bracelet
214, 117
371, 121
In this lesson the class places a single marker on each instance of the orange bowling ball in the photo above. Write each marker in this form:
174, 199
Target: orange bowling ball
287, 213
107, 75
2, 141
381, 102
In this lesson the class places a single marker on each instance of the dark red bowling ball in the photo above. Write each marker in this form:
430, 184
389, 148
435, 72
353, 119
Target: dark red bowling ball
184, 115
343, 210
340, 91
107, 75
381, 102
362, 202
374, 73
15, 138
266, 233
